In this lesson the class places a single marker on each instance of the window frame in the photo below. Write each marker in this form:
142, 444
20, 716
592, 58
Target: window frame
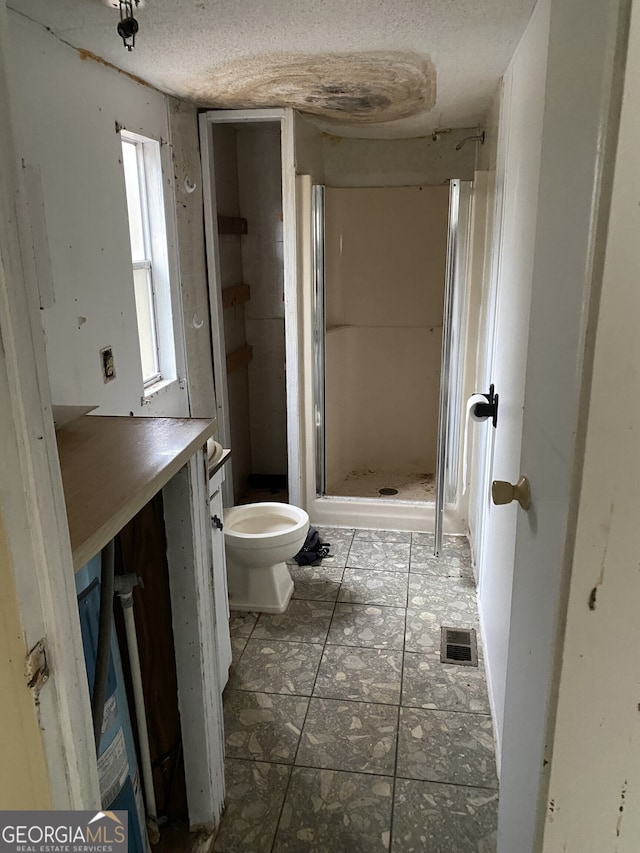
159, 230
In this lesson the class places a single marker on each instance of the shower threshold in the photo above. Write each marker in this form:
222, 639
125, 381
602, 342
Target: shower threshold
380, 513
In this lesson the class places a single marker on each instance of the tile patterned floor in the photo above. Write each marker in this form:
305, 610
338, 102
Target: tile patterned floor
344, 732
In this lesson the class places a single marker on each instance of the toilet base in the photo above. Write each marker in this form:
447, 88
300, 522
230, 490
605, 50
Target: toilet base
265, 589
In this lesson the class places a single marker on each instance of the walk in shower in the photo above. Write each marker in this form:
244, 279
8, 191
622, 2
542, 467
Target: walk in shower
388, 277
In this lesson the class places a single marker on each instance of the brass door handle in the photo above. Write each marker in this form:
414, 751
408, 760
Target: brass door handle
503, 492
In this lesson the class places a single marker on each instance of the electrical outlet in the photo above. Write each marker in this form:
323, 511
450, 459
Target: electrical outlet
107, 364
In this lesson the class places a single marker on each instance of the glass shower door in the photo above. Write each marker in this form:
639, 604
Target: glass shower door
361, 378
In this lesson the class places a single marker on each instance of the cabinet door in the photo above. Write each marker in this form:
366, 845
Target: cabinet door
221, 596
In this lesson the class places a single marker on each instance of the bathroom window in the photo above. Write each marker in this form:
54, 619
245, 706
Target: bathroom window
149, 258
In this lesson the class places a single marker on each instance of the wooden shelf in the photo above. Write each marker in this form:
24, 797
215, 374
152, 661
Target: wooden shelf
235, 295
113, 466
239, 357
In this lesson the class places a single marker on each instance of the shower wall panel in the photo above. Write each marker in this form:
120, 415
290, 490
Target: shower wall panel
385, 274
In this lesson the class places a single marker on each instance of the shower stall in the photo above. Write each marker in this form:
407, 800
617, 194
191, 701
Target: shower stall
390, 311
371, 305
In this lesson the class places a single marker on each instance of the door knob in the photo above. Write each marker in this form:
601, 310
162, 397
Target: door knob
504, 493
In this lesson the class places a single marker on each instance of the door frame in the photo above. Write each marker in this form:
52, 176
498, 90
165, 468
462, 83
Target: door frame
31, 496
319, 324
285, 118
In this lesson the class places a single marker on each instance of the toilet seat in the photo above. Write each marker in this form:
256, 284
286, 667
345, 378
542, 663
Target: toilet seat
259, 538
268, 519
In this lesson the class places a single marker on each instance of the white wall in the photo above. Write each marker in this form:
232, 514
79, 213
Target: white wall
350, 162
593, 802
505, 360
67, 108
309, 155
397, 162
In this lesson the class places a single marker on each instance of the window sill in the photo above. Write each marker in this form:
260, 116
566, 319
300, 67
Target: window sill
160, 387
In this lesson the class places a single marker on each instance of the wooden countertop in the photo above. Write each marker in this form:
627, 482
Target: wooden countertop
112, 467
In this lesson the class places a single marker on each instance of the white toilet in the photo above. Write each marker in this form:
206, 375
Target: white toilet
258, 538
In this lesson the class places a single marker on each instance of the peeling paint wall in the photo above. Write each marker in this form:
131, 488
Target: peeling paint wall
67, 107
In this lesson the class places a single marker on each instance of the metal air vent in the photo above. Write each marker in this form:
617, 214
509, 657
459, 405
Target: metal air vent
458, 645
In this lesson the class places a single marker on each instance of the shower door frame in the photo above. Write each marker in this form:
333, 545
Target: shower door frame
452, 360
319, 328
372, 512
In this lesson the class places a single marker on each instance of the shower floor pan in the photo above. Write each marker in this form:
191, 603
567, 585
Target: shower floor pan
375, 484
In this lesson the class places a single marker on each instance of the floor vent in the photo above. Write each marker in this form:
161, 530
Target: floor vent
458, 645
387, 491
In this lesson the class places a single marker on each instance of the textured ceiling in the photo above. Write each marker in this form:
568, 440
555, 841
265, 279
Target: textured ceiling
367, 68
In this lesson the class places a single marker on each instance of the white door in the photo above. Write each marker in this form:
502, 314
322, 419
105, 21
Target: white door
517, 174
586, 51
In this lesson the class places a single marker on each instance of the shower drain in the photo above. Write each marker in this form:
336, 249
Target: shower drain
387, 491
